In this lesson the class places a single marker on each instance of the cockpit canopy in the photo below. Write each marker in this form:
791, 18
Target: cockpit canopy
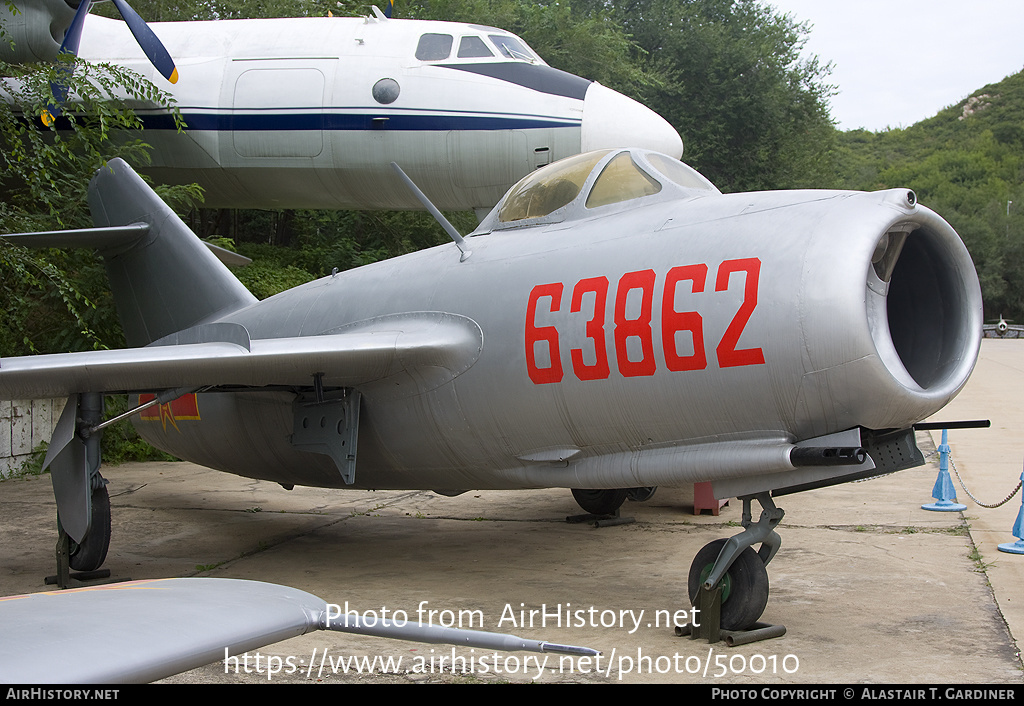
577, 186
490, 43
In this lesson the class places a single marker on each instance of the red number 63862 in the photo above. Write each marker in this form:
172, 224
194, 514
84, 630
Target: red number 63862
641, 327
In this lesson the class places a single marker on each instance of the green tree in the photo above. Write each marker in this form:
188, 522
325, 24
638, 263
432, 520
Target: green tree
58, 301
49, 299
752, 113
967, 164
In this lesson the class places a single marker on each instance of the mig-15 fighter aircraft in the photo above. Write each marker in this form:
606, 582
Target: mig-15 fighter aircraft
615, 322
1003, 328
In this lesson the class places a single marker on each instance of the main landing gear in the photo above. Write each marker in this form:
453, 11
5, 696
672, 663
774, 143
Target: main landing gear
83, 503
600, 501
89, 554
607, 501
728, 582
602, 505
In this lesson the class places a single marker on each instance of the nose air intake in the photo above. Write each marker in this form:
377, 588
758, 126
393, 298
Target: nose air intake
926, 311
930, 330
612, 120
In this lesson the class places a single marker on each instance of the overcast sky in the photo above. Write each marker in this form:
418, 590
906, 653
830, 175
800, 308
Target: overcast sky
900, 61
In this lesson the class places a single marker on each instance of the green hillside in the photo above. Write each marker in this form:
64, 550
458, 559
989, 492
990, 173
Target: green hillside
966, 163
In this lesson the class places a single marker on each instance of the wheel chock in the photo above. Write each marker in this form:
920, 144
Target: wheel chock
709, 606
734, 638
756, 633
943, 491
65, 578
600, 520
78, 579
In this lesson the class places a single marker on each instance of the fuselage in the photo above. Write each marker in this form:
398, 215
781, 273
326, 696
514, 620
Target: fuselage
309, 112
672, 338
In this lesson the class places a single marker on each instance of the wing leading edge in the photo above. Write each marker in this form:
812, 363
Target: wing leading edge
153, 629
438, 346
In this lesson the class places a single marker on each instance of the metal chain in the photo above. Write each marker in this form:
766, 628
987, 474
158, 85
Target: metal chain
962, 485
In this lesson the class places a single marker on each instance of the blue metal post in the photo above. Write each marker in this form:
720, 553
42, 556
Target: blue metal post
944, 492
1018, 530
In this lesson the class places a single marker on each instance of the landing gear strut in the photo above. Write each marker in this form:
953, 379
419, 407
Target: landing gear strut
733, 570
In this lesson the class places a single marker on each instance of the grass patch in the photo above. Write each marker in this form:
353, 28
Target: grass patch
33, 464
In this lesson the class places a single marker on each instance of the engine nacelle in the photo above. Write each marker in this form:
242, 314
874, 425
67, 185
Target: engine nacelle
37, 30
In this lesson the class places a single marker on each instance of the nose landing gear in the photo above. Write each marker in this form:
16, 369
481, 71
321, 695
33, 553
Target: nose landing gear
728, 581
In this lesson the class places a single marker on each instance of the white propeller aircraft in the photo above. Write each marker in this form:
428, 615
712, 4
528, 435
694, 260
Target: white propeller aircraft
614, 323
309, 112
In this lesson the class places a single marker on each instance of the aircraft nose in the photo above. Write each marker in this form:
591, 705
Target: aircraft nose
610, 119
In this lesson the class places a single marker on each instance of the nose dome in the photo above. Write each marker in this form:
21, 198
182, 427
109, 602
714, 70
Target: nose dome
610, 120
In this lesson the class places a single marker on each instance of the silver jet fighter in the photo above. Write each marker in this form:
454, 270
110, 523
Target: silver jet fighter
1003, 328
614, 323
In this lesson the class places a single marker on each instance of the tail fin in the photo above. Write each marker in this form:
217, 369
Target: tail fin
166, 280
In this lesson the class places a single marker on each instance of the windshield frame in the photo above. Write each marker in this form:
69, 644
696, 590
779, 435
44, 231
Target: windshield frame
576, 209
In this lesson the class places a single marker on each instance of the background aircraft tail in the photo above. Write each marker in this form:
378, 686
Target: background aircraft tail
165, 279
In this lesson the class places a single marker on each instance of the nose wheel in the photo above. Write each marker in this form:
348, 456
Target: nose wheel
729, 578
744, 586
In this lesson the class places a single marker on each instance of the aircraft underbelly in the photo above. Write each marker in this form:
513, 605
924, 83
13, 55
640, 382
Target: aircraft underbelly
241, 433
344, 170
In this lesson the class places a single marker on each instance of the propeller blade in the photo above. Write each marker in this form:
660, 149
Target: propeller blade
151, 45
72, 40
389, 7
73, 37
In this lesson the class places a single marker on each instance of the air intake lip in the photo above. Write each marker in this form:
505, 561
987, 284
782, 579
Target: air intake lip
924, 304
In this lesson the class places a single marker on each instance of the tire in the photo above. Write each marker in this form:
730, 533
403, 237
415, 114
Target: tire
745, 594
601, 501
92, 552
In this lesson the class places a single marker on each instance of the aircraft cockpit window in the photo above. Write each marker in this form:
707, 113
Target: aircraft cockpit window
434, 47
549, 189
512, 47
621, 180
679, 172
473, 47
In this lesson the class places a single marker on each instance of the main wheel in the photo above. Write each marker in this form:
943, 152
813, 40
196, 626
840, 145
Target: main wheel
602, 501
90, 554
744, 586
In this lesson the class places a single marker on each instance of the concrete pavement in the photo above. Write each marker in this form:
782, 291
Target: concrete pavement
870, 587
